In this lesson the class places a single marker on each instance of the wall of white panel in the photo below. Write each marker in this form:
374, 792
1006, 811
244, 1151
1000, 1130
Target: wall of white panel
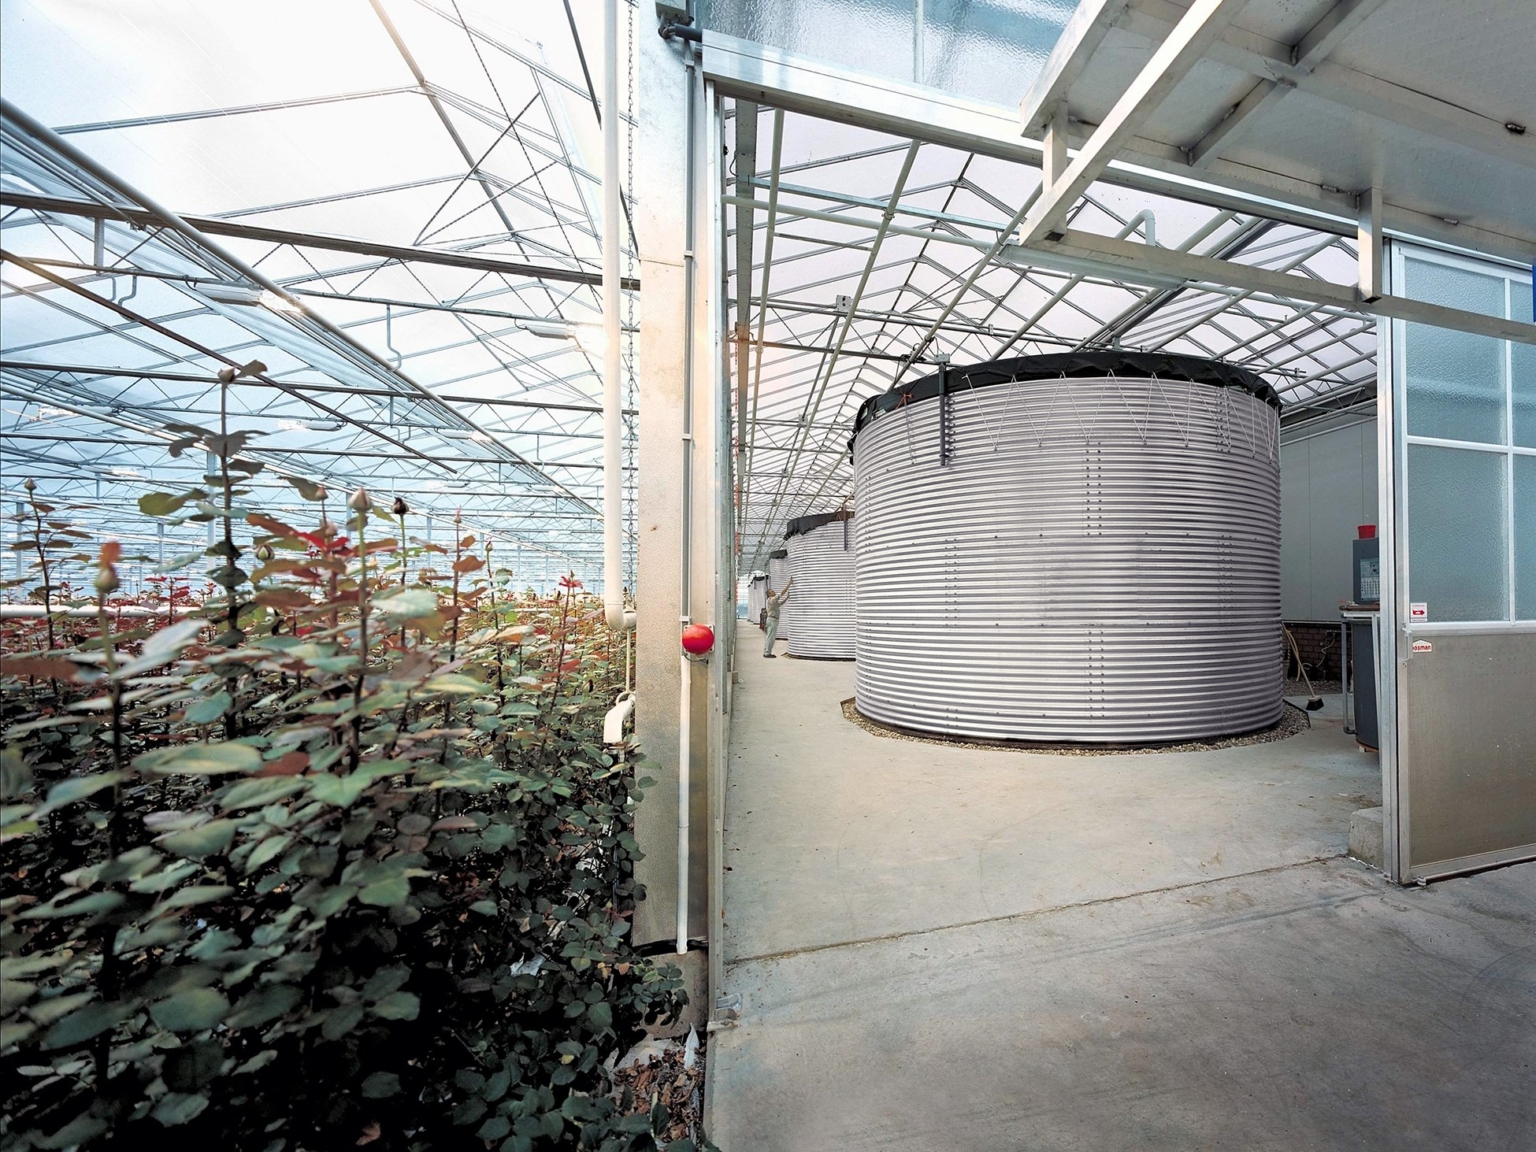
1327, 489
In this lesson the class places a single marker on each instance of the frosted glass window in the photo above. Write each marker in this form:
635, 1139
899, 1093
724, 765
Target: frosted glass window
1455, 379
1457, 563
1523, 363
990, 51
1525, 537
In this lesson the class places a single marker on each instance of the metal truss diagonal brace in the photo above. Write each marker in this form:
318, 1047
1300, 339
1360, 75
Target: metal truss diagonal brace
1188, 41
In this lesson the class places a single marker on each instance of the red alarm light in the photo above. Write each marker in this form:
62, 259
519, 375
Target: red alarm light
698, 639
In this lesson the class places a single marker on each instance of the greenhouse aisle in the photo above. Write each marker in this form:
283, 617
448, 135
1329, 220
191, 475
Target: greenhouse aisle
945, 948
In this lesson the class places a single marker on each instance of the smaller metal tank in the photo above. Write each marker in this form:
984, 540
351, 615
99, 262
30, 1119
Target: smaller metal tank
822, 563
778, 577
757, 595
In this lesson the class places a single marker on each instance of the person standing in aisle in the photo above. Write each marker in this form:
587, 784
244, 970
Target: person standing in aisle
772, 610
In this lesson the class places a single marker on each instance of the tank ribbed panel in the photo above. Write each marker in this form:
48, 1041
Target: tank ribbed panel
1099, 562
822, 599
778, 576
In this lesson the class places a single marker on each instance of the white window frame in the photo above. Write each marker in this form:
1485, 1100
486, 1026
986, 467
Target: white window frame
1511, 274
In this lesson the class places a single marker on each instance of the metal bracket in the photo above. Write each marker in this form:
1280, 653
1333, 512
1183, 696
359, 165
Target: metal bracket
946, 416
727, 1009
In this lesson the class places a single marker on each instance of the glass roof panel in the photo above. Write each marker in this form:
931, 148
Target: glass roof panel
427, 199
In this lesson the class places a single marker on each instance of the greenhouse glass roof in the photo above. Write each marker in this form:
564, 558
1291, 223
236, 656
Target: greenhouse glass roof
394, 205
874, 258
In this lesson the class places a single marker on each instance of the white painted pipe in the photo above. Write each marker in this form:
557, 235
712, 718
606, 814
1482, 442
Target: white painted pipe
613, 393
684, 788
613, 721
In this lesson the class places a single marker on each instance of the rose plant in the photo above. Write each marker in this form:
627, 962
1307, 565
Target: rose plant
335, 859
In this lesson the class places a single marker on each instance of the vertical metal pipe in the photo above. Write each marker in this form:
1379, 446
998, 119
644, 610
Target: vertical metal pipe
685, 599
613, 400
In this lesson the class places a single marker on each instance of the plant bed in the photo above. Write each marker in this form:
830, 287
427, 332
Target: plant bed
337, 860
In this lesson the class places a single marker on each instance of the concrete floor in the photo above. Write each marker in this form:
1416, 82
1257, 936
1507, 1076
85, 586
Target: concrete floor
942, 948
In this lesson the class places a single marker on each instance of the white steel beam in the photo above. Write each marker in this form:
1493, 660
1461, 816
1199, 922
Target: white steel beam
1143, 263
796, 83
1078, 41
1372, 281
1313, 48
1169, 64
1303, 65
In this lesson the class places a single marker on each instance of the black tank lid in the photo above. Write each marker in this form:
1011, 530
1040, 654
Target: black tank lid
803, 524
779, 554
1056, 365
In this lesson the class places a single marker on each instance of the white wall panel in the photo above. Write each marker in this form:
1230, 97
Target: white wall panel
1327, 489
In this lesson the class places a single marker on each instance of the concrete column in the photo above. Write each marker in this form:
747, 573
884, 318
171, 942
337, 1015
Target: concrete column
661, 193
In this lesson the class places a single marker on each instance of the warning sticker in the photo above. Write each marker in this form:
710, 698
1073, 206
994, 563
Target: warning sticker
1418, 613
1423, 646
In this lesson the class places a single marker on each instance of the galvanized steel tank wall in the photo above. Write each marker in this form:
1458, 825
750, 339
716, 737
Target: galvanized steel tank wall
821, 562
778, 576
1099, 561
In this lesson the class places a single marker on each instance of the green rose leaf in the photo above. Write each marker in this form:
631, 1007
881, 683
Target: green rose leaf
196, 894
398, 1006
263, 1005
84, 1023
408, 603
386, 893
192, 1011
342, 1020
210, 839
454, 684
78, 788
601, 1016
340, 791
179, 1107
165, 503
261, 792
201, 759
380, 1085
209, 708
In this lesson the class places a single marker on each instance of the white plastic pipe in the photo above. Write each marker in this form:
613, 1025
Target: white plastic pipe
613, 393
684, 790
613, 721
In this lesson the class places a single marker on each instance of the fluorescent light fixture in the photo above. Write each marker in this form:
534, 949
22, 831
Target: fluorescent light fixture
246, 295
124, 471
280, 303
310, 425
549, 329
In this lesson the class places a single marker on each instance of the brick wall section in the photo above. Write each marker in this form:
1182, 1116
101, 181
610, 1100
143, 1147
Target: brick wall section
1319, 644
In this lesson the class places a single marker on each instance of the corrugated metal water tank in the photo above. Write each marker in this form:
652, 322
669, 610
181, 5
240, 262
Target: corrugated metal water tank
778, 577
821, 562
757, 595
1081, 547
